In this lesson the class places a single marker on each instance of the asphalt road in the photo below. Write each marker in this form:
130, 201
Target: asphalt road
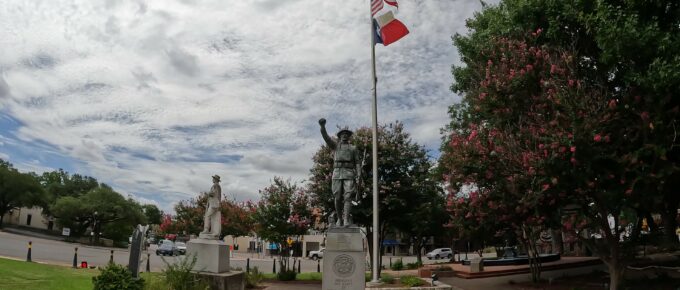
58, 252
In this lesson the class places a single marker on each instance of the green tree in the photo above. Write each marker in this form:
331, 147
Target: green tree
102, 210
153, 214
403, 179
17, 189
59, 183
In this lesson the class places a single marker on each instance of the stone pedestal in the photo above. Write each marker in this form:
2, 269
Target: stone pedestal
212, 256
234, 280
344, 260
476, 265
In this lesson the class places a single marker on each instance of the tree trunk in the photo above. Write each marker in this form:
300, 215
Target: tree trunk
2, 217
616, 272
532, 254
669, 226
416, 246
558, 243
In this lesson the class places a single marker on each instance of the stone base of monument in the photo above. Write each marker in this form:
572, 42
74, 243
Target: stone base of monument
212, 256
234, 280
344, 259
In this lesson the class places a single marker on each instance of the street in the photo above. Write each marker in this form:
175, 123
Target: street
61, 253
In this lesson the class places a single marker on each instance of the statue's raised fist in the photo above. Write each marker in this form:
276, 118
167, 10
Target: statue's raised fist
322, 122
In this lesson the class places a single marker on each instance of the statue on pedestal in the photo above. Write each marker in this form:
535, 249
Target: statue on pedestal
212, 221
346, 168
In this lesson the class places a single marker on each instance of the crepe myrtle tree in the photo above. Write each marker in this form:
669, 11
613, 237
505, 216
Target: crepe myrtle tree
549, 119
403, 183
188, 219
283, 211
627, 49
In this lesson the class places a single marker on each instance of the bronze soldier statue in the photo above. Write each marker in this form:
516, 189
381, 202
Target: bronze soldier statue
346, 166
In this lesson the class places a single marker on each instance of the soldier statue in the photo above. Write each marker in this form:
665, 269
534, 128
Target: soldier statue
212, 221
346, 168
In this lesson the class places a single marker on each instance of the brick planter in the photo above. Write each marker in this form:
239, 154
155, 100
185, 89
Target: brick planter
427, 273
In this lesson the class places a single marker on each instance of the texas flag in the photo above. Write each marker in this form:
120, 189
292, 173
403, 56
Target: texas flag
387, 28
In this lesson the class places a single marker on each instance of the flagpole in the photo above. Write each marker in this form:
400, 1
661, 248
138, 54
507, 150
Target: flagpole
374, 110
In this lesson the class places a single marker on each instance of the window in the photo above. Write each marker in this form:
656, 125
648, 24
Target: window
28, 220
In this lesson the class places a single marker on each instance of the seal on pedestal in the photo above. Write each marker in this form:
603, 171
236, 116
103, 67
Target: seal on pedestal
343, 265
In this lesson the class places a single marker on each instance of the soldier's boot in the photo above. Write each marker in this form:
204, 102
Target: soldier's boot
346, 216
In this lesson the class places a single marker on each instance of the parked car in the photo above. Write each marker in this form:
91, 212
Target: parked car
167, 249
440, 253
181, 247
315, 255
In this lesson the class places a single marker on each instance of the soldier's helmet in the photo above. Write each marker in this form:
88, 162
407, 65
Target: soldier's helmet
216, 177
344, 130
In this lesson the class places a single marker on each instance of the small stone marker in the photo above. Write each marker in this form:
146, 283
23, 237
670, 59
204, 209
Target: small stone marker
136, 250
476, 265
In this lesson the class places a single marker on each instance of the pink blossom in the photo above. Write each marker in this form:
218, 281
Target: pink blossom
473, 134
644, 115
546, 186
553, 69
597, 138
571, 83
612, 104
572, 149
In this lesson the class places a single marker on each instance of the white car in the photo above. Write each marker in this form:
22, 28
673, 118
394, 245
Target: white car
440, 253
315, 255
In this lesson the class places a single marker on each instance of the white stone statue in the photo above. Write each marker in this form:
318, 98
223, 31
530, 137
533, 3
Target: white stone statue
212, 222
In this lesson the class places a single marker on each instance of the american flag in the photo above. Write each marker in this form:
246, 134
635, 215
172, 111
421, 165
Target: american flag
376, 5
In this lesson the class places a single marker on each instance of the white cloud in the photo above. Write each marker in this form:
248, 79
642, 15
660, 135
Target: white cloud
153, 97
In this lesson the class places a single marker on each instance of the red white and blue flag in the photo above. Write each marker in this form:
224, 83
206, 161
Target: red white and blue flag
387, 28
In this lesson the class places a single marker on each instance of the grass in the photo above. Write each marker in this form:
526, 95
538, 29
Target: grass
33, 276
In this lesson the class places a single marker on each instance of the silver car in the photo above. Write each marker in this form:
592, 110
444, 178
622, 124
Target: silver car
440, 253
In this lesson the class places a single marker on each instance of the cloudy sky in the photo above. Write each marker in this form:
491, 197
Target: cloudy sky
155, 96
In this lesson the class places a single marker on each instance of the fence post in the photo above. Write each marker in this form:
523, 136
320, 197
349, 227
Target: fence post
28, 256
299, 261
274, 266
111, 260
75, 258
247, 265
318, 266
148, 262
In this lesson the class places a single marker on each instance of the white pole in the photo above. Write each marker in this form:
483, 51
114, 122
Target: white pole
375, 154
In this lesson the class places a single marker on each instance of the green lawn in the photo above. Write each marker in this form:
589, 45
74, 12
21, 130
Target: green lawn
20, 275
29, 276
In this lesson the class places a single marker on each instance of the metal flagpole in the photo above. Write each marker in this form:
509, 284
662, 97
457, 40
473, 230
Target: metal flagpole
375, 153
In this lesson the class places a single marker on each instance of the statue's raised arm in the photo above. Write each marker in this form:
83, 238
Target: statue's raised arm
324, 134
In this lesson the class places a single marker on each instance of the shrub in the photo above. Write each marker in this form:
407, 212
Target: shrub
387, 279
286, 275
178, 276
411, 281
254, 278
116, 277
414, 265
398, 265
